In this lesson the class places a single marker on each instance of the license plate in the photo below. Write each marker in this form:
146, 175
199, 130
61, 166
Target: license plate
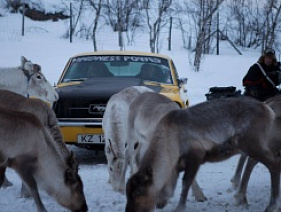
90, 139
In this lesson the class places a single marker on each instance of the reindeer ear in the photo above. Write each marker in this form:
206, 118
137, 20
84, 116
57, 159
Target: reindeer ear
70, 176
72, 156
73, 162
23, 61
37, 67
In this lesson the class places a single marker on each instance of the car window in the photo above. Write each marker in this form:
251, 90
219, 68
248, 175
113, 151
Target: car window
148, 68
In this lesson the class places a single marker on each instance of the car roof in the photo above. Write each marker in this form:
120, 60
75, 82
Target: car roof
122, 53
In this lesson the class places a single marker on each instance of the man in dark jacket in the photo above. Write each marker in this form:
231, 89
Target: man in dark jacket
262, 78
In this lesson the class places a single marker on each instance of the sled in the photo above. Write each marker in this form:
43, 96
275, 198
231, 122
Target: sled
222, 92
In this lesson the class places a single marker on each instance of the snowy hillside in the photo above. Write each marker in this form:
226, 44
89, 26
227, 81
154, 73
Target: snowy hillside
43, 44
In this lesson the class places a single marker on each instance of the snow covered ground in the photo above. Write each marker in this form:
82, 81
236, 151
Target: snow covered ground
43, 44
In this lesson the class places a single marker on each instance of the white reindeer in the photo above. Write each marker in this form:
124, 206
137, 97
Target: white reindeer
26, 147
208, 132
114, 125
46, 116
27, 80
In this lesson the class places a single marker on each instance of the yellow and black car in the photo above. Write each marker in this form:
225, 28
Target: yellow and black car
90, 79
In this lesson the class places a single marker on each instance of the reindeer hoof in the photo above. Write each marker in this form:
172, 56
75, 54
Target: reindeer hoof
272, 208
235, 183
180, 209
197, 192
241, 199
120, 189
200, 198
25, 192
25, 195
6, 183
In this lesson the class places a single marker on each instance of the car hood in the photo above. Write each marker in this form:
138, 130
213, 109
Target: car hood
102, 88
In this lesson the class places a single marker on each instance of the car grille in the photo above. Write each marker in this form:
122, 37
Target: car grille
79, 108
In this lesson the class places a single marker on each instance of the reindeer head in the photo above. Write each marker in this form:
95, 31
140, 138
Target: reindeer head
38, 86
73, 198
140, 198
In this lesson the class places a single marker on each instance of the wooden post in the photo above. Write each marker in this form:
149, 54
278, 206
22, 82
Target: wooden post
218, 34
170, 35
70, 22
232, 44
23, 14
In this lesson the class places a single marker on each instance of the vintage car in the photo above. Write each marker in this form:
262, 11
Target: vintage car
90, 79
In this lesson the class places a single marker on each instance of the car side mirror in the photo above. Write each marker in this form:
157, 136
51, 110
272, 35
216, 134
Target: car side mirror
182, 81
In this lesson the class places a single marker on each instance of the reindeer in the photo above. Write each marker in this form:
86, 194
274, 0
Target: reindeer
46, 116
114, 124
274, 103
28, 80
274, 142
145, 111
207, 132
27, 147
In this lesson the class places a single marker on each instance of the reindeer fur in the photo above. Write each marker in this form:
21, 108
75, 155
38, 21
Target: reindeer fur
27, 80
27, 147
114, 125
208, 132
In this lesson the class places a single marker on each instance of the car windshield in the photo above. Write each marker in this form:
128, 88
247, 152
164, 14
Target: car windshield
148, 68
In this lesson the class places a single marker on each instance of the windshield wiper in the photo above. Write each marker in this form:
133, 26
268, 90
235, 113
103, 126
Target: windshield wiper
74, 80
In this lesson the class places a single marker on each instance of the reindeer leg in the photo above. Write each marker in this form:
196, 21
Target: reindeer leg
192, 165
25, 167
240, 195
2, 175
237, 175
275, 189
25, 193
272, 162
4, 182
197, 192
31, 183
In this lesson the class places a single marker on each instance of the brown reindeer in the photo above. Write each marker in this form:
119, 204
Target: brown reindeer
274, 103
208, 132
27, 147
46, 116
274, 142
